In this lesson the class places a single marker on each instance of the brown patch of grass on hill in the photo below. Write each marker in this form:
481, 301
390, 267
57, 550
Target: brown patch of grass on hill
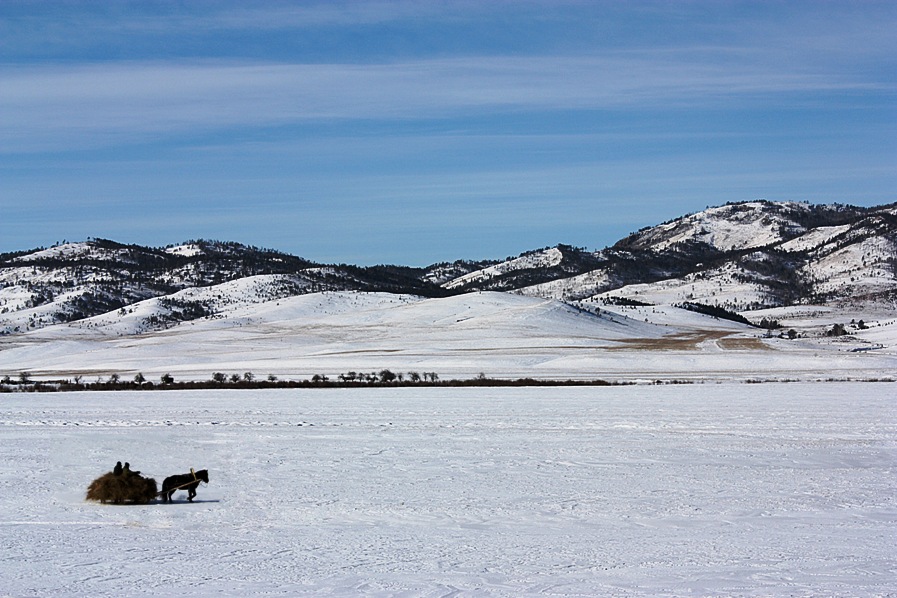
743, 344
683, 341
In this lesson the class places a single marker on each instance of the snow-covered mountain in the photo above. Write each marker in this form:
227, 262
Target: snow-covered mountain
674, 301
76, 282
740, 257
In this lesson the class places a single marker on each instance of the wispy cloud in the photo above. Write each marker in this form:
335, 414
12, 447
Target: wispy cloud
340, 118
58, 107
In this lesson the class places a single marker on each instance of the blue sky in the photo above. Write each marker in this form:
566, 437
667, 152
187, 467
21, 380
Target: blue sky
418, 132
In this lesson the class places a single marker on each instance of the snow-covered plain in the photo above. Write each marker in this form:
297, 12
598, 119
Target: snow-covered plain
498, 334
711, 489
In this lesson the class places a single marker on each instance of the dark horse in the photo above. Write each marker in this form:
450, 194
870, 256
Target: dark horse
185, 481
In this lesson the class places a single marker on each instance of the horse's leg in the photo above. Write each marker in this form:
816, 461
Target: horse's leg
191, 493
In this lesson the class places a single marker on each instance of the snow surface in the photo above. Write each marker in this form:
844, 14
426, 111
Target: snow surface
696, 490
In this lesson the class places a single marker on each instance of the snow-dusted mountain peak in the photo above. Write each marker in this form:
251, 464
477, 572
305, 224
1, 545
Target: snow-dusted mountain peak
728, 228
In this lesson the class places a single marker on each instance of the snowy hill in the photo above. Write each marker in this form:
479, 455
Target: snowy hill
77, 281
537, 260
499, 334
728, 228
742, 257
820, 279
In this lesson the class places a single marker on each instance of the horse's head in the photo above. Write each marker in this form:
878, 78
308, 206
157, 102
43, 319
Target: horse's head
203, 474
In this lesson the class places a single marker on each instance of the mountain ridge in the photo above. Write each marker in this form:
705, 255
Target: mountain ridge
742, 257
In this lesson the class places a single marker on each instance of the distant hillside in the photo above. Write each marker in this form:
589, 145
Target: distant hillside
743, 257
77, 281
738, 257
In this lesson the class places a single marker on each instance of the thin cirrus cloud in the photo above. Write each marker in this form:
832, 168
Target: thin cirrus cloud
58, 107
340, 128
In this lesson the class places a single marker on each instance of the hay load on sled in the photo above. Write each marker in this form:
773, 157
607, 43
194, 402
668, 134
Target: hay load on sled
121, 486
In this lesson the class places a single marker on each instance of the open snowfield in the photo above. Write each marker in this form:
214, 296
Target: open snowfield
713, 489
500, 335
